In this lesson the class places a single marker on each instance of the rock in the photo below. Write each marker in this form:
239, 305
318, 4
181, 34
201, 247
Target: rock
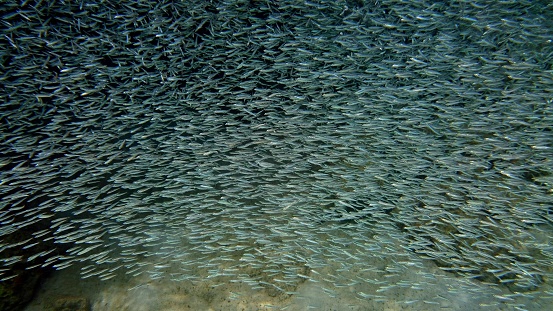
71, 304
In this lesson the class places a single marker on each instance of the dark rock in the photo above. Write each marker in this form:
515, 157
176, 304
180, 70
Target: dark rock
71, 304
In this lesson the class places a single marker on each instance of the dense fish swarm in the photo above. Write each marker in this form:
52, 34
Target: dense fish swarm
274, 143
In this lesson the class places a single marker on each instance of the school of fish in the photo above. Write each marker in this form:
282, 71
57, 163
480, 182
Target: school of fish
272, 143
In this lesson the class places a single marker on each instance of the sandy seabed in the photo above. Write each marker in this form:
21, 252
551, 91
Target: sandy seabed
124, 293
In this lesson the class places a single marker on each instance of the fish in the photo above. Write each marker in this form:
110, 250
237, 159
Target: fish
283, 144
